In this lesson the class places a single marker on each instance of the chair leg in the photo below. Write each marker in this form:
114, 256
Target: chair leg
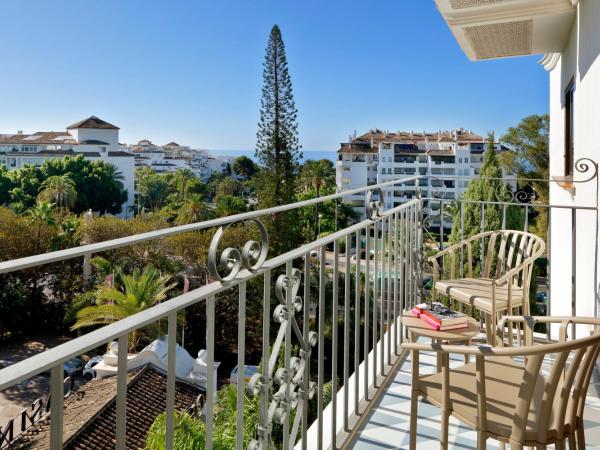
414, 404
541, 447
501, 445
444, 431
481, 438
572, 444
560, 445
488, 333
580, 438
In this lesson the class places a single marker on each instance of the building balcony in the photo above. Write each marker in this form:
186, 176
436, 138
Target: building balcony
313, 384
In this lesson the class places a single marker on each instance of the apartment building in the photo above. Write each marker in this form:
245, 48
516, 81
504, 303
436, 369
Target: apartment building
93, 138
379, 156
172, 156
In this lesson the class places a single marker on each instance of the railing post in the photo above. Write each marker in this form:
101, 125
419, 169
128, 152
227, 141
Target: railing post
241, 374
321, 349
57, 393
305, 332
171, 354
121, 426
87, 268
210, 370
347, 275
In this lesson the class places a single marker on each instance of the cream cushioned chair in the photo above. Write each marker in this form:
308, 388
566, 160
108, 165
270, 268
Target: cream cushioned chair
505, 268
533, 395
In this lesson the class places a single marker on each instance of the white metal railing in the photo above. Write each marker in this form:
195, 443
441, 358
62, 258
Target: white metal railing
383, 287
386, 277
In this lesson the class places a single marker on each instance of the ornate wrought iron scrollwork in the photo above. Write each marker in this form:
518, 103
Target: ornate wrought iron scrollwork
252, 256
438, 192
502, 194
582, 165
375, 208
285, 388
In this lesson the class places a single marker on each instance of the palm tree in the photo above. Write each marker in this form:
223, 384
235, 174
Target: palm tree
228, 205
114, 172
318, 174
59, 189
137, 292
182, 179
193, 210
41, 216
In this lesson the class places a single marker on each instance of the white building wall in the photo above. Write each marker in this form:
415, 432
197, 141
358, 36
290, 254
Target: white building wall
579, 61
110, 136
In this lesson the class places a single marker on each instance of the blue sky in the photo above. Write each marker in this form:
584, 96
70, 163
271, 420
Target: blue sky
191, 71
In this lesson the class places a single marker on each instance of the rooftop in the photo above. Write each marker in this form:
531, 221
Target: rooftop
369, 141
90, 411
92, 122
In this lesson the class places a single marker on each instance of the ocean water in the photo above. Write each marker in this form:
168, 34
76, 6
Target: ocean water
306, 154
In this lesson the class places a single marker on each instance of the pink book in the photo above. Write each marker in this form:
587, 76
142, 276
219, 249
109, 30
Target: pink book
430, 322
415, 312
454, 327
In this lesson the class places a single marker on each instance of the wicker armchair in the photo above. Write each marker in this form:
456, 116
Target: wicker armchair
505, 268
531, 396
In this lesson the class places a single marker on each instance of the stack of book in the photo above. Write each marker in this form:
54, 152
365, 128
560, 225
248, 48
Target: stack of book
442, 320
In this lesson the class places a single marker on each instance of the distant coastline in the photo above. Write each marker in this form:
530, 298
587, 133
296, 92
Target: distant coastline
307, 154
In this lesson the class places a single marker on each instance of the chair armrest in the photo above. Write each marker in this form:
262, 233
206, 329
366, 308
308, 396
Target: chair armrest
446, 251
477, 350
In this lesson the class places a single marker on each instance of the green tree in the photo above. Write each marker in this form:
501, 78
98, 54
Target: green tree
153, 190
277, 144
228, 205
60, 190
98, 183
244, 167
183, 178
194, 209
229, 186
489, 187
41, 215
317, 174
135, 293
529, 160
5, 186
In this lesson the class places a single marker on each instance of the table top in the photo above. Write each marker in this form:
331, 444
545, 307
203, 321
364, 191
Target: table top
419, 327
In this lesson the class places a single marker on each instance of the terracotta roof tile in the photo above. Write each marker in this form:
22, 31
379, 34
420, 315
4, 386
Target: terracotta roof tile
41, 137
90, 412
93, 122
376, 136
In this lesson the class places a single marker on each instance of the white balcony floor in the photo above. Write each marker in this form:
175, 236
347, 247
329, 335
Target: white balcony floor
388, 423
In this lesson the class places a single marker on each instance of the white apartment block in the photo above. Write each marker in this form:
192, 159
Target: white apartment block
172, 156
93, 138
379, 156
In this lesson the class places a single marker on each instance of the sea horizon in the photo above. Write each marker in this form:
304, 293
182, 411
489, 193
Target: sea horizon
306, 154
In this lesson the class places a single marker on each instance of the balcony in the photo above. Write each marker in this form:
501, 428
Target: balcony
360, 278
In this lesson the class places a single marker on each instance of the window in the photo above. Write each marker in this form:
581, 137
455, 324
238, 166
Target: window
103, 149
387, 145
569, 128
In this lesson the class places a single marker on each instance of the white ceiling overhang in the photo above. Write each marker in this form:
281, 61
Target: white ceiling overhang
488, 29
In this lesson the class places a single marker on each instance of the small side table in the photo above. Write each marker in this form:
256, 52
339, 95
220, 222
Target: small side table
417, 327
